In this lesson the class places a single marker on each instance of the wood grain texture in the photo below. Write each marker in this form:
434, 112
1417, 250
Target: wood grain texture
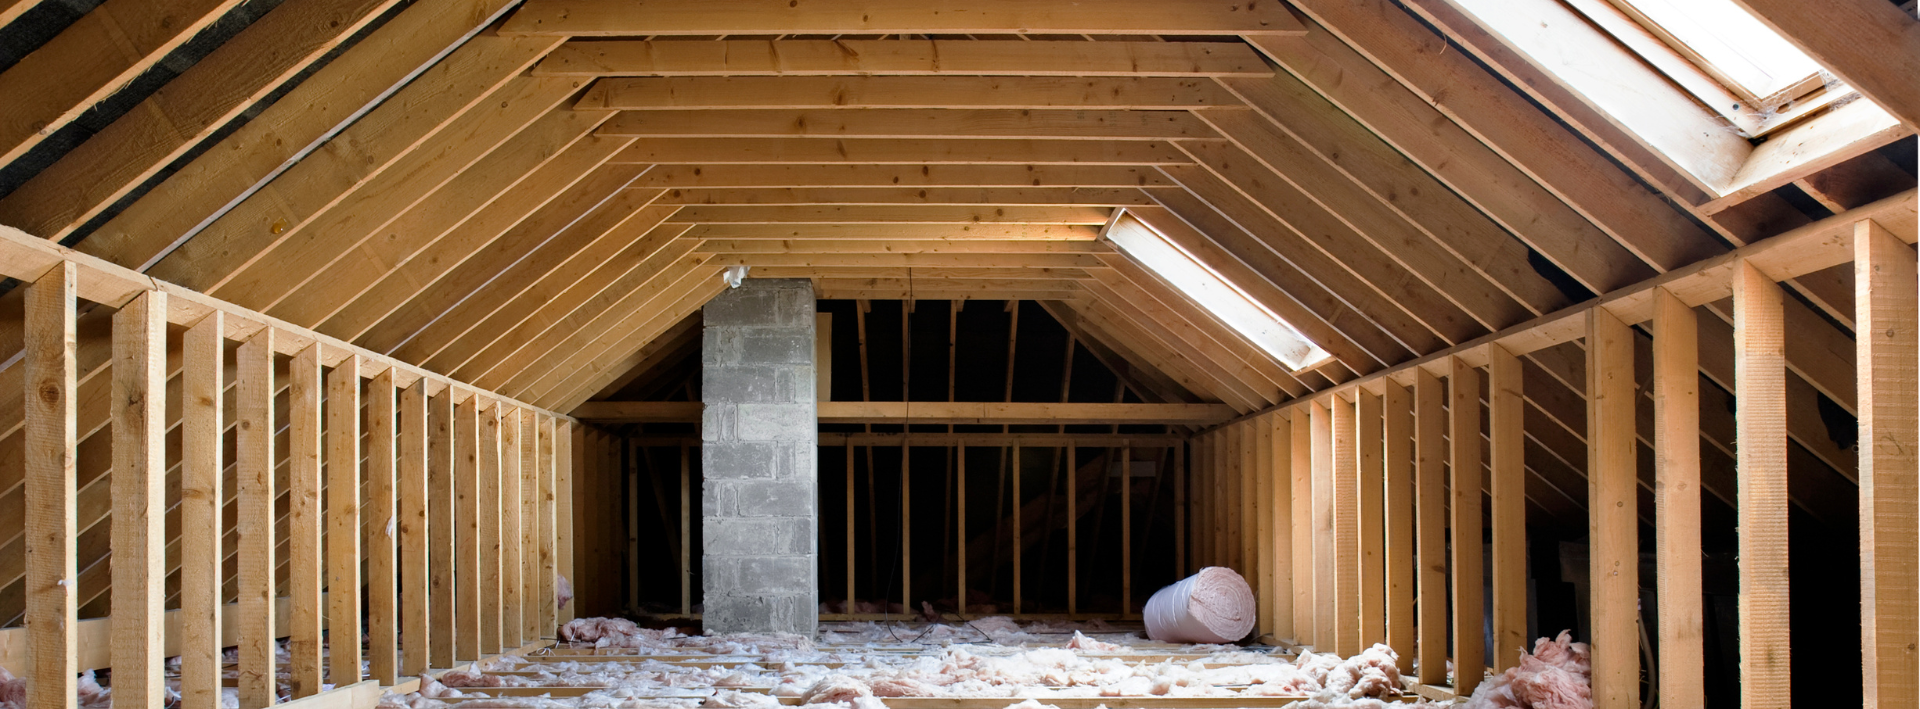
1760, 424
568, 460
1885, 306
383, 571
1279, 492
1506, 423
1326, 619
343, 520
1430, 450
466, 530
52, 609
1371, 502
440, 524
1346, 529
304, 522
1613, 523
544, 501
254, 457
1396, 405
202, 423
416, 628
530, 529
491, 541
1301, 490
1469, 557
604, 18
139, 498
511, 629
1676, 501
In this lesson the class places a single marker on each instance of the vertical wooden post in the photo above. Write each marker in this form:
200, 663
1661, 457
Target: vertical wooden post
906, 521
529, 526
1126, 531
510, 626
1179, 452
1261, 431
1469, 585
1247, 454
202, 423
440, 504
1430, 450
549, 454
1202, 505
1302, 493
960, 501
569, 461
304, 522
490, 540
466, 530
1676, 498
1326, 614
1279, 499
1612, 521
254, 461
383, 631
1019, 522
1885, 308
850, 528
343, 522
1397, 414
1073, 530
1372, 555
139, 390
1345, 484
1760, 430
1508, 482
49, 423
415, 628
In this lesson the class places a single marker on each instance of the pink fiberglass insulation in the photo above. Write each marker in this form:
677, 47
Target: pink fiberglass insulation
562, 591
1213, 606
1557, 675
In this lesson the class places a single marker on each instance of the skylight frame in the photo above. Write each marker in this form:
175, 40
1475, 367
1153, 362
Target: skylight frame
1213, 293
1695, 44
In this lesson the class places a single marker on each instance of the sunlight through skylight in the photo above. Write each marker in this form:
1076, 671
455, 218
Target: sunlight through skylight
1729, 42
1219, 296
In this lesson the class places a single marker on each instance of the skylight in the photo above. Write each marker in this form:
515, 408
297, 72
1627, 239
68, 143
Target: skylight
1216, 294
1728, 42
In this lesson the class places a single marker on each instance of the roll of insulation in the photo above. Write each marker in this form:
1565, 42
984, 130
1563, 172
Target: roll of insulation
1213, 606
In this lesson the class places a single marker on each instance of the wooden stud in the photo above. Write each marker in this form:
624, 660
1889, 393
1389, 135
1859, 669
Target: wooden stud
1401, 554
304, 522
254, 458
686, 532
203, 378
960, 519
1613, 523
1279, 493
1430, 449
1073, 530
1019, 525
851, 565
1304, 623
1372, 540
1506, 411
632, 467
1676, 501
49, 472
1261, 430
343, 521
490, 542
1344, 485
139, 498
383, 571
415, 627
440, 523
466, 531
1126, 531
1885, 310
529, 526
1469, 587
1180, 533
545, 501
568, 461
1326, 621
906, 519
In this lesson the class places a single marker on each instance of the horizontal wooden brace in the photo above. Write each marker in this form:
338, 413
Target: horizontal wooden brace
848, 92
879, 246
887, 151
931, 233
890, 214
945, 412
989, 196
901, 175
897, 57
623, 18
937, 440
910, 123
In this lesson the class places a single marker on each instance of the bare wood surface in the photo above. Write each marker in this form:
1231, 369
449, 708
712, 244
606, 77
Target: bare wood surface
1464, 486
139, 498
1301, 491
1676, 499
602, 18
343, 520
1346, 529
383, 570
1370, 500
203, 375
1401, 554
439, 531
1326, 623
416, 628
467, 553
1760, 422
490, 542
1507, 471
1612, 521
1885, 306
1430, 451
254, 456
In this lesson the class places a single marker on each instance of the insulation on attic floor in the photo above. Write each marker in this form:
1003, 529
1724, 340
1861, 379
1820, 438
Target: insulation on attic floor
986, 663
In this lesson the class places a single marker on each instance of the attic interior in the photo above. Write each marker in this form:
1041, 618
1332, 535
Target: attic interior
921, 354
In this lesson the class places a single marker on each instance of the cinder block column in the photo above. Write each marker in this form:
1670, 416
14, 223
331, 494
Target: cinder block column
760, 432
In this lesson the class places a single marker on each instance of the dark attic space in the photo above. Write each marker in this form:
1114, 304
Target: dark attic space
944, 354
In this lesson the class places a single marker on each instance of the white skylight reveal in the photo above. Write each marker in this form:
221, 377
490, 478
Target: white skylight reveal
1208, 289
1730, 43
